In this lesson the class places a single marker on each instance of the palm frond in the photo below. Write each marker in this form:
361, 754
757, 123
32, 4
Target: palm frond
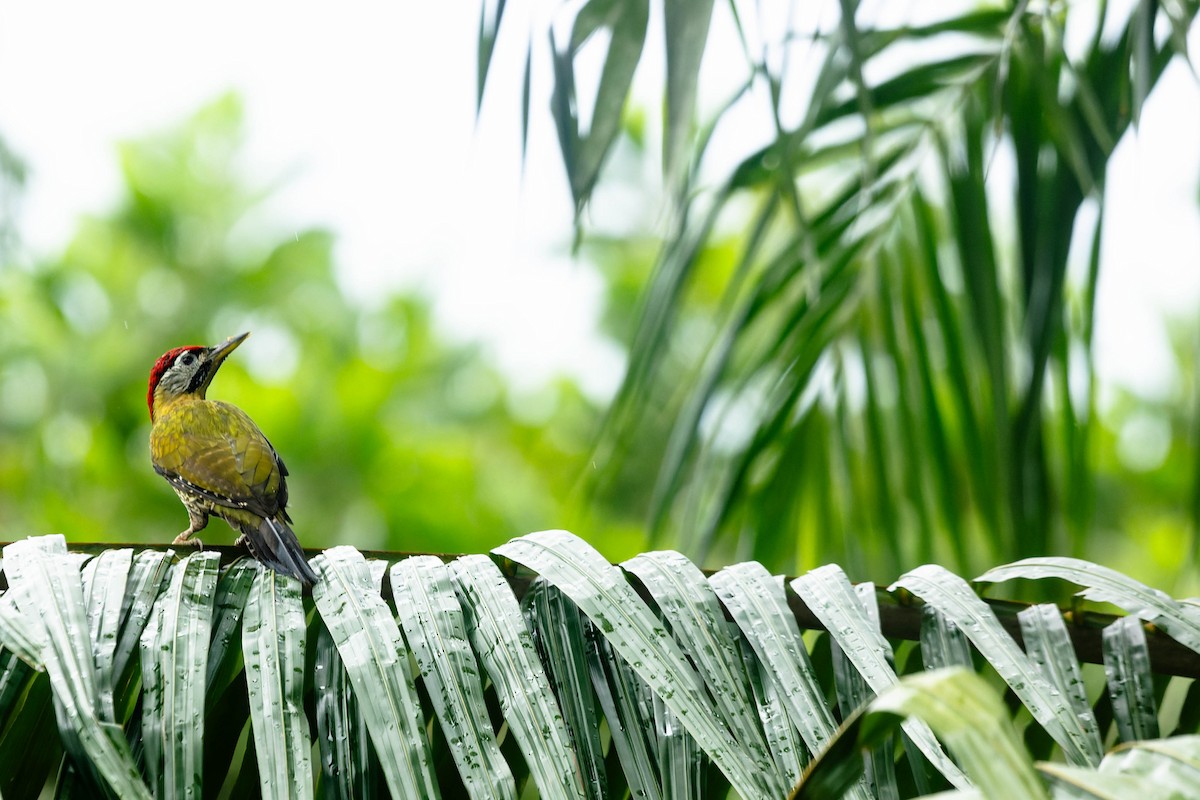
376, 659
653, 679
902, 296
433, 625
273, 643
174, 654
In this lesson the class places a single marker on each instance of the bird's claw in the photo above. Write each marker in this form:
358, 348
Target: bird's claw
188, 537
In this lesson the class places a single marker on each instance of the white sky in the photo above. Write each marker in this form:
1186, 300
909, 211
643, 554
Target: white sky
371, 107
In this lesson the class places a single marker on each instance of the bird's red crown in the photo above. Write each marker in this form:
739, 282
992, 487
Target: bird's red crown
156, 372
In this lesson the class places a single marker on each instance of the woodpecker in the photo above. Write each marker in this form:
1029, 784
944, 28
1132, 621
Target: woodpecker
218, 461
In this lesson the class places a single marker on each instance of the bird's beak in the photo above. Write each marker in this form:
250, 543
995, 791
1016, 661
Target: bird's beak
218, 352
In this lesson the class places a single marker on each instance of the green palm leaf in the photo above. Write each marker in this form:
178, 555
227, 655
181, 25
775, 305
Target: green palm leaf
175, 648
433, 623
376, 659
629, 626
46, 580
273, 633
594, 690
872, 247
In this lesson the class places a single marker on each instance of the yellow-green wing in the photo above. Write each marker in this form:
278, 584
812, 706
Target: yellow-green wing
215, 449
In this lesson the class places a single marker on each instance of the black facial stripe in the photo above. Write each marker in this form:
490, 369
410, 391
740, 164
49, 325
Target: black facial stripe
198, 377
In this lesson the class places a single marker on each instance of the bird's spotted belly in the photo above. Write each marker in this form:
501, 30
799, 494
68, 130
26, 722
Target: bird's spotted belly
196, 505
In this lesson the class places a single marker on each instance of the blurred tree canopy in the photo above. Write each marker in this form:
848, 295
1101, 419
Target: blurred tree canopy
396, 439
867, 341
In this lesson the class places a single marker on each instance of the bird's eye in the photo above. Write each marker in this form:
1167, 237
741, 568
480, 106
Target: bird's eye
187, 359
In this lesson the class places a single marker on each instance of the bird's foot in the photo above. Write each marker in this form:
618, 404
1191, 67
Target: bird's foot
188, 537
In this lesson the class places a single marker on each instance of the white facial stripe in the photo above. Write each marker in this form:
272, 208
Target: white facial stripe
179, 377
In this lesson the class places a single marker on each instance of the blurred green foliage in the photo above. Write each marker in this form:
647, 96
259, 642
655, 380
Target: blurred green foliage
878, 456
865, 333
1137, 501
395, 438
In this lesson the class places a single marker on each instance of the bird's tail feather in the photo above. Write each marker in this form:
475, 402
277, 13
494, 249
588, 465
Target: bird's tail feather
274, 544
